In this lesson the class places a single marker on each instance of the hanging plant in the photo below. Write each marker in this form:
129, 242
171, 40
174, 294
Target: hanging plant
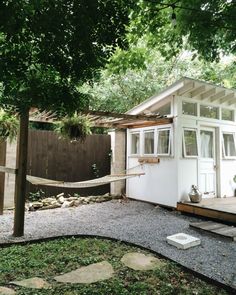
75, 128
9, 126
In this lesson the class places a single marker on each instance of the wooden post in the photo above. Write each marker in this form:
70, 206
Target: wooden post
20, 183
3, 148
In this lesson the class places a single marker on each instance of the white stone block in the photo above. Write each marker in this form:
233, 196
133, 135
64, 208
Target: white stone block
183, 241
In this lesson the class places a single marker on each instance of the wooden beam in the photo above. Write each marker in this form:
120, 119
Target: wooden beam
3, 149
20, 183
208, 94
227, 97
232, 100
218, 95
198, 91
122, 116
8, 170
186, 88
163, 121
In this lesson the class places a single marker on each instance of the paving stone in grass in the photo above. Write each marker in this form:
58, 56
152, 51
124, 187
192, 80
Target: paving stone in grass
139, 261
33, 283
6, 291
88, 274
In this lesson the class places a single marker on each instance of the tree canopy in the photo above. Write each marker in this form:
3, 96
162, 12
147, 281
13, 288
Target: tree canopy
130, 78
48, 48
208, 25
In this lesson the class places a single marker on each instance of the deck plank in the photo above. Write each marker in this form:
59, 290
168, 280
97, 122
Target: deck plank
220, 209
216, 228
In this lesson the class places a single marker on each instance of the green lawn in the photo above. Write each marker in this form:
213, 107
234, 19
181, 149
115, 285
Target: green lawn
48, 259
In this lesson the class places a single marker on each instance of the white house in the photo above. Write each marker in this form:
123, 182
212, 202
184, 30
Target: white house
198, 147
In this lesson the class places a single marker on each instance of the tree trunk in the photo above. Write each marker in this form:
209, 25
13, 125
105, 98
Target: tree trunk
20, 183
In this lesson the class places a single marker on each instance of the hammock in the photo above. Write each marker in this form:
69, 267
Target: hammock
81, 184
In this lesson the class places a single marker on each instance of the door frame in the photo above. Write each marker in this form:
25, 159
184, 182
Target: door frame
216, 135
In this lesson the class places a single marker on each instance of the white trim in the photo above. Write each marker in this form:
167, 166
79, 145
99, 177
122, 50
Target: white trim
223, 145
149, 131
184, 143
169, 143
156, 98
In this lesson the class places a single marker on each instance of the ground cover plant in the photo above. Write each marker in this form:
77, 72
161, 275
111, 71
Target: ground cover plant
49, 259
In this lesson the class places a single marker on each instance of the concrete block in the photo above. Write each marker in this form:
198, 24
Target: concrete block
183, 241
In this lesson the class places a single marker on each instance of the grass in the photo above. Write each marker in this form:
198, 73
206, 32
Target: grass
48, 259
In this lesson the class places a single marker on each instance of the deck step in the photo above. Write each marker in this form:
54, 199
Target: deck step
216, 228
209, 211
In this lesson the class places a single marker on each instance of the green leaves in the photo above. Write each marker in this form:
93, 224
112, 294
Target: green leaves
76, 127
48, 48
9, 125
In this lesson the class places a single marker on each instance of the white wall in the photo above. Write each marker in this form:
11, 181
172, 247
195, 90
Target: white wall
228, 171
158, 185
188, 168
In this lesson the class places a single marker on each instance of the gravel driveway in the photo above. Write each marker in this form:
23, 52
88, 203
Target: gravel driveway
135, 222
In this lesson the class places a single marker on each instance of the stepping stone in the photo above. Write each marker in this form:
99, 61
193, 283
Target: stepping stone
6, 291
88, 274
183, 241
139, 261
33, 283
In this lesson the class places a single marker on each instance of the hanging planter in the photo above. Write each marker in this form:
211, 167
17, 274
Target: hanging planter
9, 126
75, 128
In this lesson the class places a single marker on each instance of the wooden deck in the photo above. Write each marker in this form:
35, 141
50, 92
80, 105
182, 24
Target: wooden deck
223, 209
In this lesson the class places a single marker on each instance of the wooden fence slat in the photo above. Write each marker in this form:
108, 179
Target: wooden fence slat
60, 159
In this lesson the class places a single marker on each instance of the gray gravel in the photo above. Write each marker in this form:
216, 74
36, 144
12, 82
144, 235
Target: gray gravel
135, 222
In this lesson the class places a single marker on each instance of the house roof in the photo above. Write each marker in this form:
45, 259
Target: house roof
192, 89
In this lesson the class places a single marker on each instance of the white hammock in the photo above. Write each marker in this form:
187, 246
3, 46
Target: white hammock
81, 184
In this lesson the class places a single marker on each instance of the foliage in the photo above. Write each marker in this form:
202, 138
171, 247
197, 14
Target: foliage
122, 86
48, 48
45, 260
75, 128
41, 126
95, 170
209, 26
36, 196
9, 125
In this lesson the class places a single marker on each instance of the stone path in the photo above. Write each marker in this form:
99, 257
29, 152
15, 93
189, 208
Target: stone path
88, 274
92, 273
140, 261
33, 283
135, 222
6, 291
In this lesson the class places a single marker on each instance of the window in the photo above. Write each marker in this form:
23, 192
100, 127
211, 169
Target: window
227, 114
149, 142
164, 110
163, 146
190, 143
209, 111
206, 138
229, 145
135, 143
189, 108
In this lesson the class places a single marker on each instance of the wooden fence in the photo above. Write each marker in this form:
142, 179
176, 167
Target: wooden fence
59, 159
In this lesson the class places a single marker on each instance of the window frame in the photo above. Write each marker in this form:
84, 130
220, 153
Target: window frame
212, 106
170, 140
154, 141
223, 144
191, 102
232, 110
139, 153
184, 145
